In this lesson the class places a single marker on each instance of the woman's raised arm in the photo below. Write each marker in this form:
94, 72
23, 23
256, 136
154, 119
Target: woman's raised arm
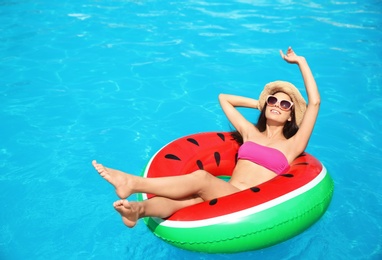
301, 138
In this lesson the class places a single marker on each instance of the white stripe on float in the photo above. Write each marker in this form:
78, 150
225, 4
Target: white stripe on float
233, 217
149, 163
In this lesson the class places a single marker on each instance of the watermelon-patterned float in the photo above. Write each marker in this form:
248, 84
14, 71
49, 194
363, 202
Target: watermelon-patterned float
255, 218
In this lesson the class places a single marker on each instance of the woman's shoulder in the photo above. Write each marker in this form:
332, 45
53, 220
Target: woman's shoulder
251, 133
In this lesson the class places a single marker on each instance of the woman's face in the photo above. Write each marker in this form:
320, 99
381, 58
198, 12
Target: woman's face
277, 115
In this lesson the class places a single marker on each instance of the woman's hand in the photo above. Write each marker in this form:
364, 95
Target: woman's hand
291, 56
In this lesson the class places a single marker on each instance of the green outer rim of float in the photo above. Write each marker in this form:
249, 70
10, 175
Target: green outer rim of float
288, 220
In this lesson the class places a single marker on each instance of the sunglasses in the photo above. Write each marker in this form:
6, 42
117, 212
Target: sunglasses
283, 104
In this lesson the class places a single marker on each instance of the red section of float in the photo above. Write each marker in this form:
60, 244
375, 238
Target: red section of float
216, 153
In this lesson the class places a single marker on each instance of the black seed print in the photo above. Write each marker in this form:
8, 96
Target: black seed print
192, 140
288, 175
221, 136
172, 157
303, 163
255, 189
200, 164
217, 158
213, 202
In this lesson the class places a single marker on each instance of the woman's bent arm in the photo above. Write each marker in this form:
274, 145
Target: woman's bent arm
229, 104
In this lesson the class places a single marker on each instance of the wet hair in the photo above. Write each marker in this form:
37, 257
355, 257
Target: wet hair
289, 130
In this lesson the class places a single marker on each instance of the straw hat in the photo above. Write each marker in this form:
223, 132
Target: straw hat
289, 89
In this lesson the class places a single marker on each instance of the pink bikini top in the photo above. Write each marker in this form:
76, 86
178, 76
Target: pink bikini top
267, 157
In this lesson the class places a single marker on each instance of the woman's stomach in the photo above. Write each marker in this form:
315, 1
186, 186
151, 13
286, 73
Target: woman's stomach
248, 174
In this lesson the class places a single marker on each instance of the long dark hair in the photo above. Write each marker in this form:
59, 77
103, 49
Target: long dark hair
289, 130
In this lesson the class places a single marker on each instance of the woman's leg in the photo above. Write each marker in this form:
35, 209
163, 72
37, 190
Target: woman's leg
199, 183
159, 207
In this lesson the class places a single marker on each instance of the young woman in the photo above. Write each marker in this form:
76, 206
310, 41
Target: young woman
281, 134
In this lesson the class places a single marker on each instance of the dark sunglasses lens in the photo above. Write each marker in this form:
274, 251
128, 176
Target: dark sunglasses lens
272, 100
285, 104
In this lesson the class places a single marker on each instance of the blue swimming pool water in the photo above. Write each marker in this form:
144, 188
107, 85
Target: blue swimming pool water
116, 80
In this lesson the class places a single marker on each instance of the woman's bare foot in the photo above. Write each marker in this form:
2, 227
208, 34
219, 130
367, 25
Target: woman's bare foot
130, 211
121, 181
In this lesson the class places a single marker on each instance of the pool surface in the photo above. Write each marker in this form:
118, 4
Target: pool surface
117, 80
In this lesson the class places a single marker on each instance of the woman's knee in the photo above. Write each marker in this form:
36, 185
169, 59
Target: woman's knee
201, 175
203, 179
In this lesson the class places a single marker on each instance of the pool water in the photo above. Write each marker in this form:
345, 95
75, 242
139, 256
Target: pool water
117, 80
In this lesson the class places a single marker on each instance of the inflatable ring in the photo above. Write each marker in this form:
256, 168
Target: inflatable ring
258, 217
